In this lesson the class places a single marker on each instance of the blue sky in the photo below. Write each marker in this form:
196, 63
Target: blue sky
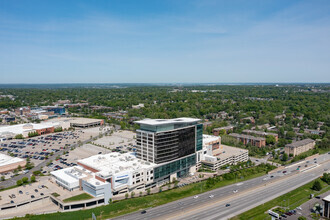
158, 41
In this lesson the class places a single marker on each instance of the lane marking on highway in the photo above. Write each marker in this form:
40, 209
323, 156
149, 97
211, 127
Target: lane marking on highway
219, 201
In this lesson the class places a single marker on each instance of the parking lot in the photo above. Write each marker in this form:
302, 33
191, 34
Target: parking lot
120, 141
70, 158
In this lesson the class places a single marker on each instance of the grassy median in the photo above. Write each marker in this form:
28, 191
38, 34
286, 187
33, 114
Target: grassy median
291, 200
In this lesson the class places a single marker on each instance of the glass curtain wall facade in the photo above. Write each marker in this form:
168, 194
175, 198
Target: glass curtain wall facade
172, 145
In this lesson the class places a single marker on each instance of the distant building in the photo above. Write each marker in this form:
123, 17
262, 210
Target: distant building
207, 124
261, 133
216, 131
311, 131
250, 119
248, 139
9, 119
56, 109
141, 105
22, 110
299, 147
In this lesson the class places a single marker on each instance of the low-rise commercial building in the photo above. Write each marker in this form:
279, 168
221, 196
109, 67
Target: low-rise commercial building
8, 132
261, 133
248, 139
112, 173
299, 147
8, 163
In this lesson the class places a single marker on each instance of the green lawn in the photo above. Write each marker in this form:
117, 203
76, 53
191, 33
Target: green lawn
139, 203
291, 200
83, 196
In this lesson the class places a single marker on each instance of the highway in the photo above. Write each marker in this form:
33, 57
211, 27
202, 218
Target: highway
250, 194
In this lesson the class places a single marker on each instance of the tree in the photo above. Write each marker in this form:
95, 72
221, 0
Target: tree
19, 136
19, 182
126, 195
33, 179
148, 191
326, 178
290, 135
25, 180
132, 194
285, 157
317, 186
2, 178
270, 139
302, 218
140, 193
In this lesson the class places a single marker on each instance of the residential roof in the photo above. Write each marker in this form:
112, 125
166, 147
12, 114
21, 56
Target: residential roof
247, 136
300, 143
224, 128
261, 133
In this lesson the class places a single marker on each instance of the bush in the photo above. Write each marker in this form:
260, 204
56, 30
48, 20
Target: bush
317, 186
25, 180
19, 182
33, 179
326, 178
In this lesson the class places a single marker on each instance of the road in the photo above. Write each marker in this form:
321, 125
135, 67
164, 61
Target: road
250, 194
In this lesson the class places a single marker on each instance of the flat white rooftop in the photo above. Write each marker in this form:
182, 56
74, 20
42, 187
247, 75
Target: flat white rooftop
6, 160
70, 174
327, 198
20, 128
149, 121
209, 138
115, 163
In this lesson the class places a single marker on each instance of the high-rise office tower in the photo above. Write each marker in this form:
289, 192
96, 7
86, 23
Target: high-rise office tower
171, 143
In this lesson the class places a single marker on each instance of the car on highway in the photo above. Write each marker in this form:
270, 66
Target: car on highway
211, 196
195, 197
144, 212
235, 191
284, 171
227, 205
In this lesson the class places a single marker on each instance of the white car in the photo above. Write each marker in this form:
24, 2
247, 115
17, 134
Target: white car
235, 191
211, 196
195, 197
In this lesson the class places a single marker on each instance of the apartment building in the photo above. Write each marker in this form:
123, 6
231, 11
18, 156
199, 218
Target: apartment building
299, 147
261, 133
248, 139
